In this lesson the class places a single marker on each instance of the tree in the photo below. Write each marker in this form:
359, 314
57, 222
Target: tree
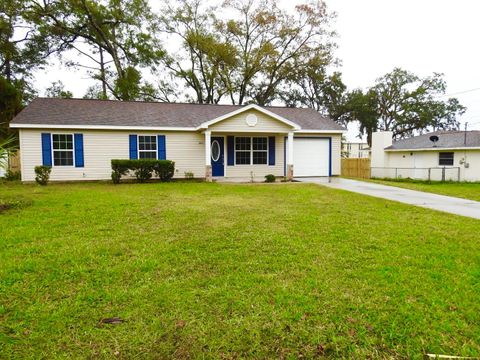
206, 62
246, 53
23, 48
363, 107
10, 105
272, 44
407, 104
57, 90
310, 85
123, 31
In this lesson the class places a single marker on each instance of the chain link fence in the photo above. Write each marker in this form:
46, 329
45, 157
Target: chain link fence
430, 174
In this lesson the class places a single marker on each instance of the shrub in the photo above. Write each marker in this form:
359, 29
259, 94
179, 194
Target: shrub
270, 178
143, 169
119, 169
164, 169
189, 175
12, 175
42, 174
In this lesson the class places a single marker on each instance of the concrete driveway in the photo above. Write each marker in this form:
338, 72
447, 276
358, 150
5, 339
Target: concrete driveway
443, 203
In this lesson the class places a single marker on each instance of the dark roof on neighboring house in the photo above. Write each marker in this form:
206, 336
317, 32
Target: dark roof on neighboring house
446, 140
47, 111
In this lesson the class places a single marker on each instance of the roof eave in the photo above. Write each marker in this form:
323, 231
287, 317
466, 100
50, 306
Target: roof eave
100, 127
206, 124
435, 149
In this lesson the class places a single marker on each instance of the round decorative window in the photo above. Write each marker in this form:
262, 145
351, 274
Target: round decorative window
251, 120
215, 150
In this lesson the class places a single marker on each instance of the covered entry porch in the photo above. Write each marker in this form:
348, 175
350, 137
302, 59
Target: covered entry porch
248, 155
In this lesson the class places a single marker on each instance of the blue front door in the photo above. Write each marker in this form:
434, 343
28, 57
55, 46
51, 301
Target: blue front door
217, 156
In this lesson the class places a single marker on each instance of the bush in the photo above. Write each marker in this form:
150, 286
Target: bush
189, 175
270, 178
143, 169
12, 175
119, 169
164, 169
42, 174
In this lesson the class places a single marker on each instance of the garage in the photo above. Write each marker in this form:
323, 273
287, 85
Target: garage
311, 156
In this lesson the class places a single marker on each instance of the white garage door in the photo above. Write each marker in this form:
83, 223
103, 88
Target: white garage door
311, 157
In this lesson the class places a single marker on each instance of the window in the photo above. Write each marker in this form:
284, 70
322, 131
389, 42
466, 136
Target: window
251, 150
147, 147
260, 150
62, 149
445, 158
242, 150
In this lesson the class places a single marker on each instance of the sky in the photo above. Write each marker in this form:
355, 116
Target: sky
375, 36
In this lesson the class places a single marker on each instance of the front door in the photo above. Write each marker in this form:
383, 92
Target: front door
217, 156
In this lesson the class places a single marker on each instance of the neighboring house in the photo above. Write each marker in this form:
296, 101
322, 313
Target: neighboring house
79, 137
355, 150
442, 155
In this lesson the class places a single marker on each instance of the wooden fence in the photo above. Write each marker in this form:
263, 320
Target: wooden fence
14, 161
359, 168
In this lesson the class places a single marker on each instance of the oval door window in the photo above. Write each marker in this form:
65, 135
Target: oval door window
215, 150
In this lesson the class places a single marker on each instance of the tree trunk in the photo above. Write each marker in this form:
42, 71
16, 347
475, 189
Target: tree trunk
102, 74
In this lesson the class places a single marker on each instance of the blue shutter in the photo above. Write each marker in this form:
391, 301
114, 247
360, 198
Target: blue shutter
271, 150
133, 147
161, 145
79, 161
230, 150
47, 149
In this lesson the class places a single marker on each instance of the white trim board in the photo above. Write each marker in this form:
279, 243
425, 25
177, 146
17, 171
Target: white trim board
206, 124
102, 127
434, 149
153, 128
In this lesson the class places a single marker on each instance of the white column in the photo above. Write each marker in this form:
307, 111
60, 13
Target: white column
208, 136
290, 149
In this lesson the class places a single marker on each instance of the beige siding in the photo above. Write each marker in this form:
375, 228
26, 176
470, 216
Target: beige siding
238, 123
259, 171
185, 148
336, 154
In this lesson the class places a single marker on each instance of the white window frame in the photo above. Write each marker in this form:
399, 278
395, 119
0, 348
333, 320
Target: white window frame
53, 150
149, 151
251, 150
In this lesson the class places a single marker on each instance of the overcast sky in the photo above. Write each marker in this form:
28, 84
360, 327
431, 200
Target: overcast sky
422, 36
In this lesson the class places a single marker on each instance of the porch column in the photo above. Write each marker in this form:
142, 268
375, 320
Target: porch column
290, 156
208, 163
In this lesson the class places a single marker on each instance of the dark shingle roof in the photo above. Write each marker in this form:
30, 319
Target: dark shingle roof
46, 111
446, 140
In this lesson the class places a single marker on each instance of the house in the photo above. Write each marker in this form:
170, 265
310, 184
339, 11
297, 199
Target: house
79, 137
441, 155
357, 150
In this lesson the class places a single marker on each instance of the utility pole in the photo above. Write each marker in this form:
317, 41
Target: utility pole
465, 139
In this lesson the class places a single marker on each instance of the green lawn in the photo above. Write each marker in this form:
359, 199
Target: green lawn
464, 190
201, 270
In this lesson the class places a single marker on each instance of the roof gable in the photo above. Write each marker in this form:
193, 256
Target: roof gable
246, 109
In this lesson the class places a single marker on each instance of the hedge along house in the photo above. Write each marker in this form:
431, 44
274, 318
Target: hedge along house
441, 155
80, 137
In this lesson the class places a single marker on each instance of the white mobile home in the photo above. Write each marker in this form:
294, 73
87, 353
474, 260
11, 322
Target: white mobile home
442, 155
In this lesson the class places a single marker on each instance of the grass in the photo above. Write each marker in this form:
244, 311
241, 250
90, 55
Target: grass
465, 190
203, 270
